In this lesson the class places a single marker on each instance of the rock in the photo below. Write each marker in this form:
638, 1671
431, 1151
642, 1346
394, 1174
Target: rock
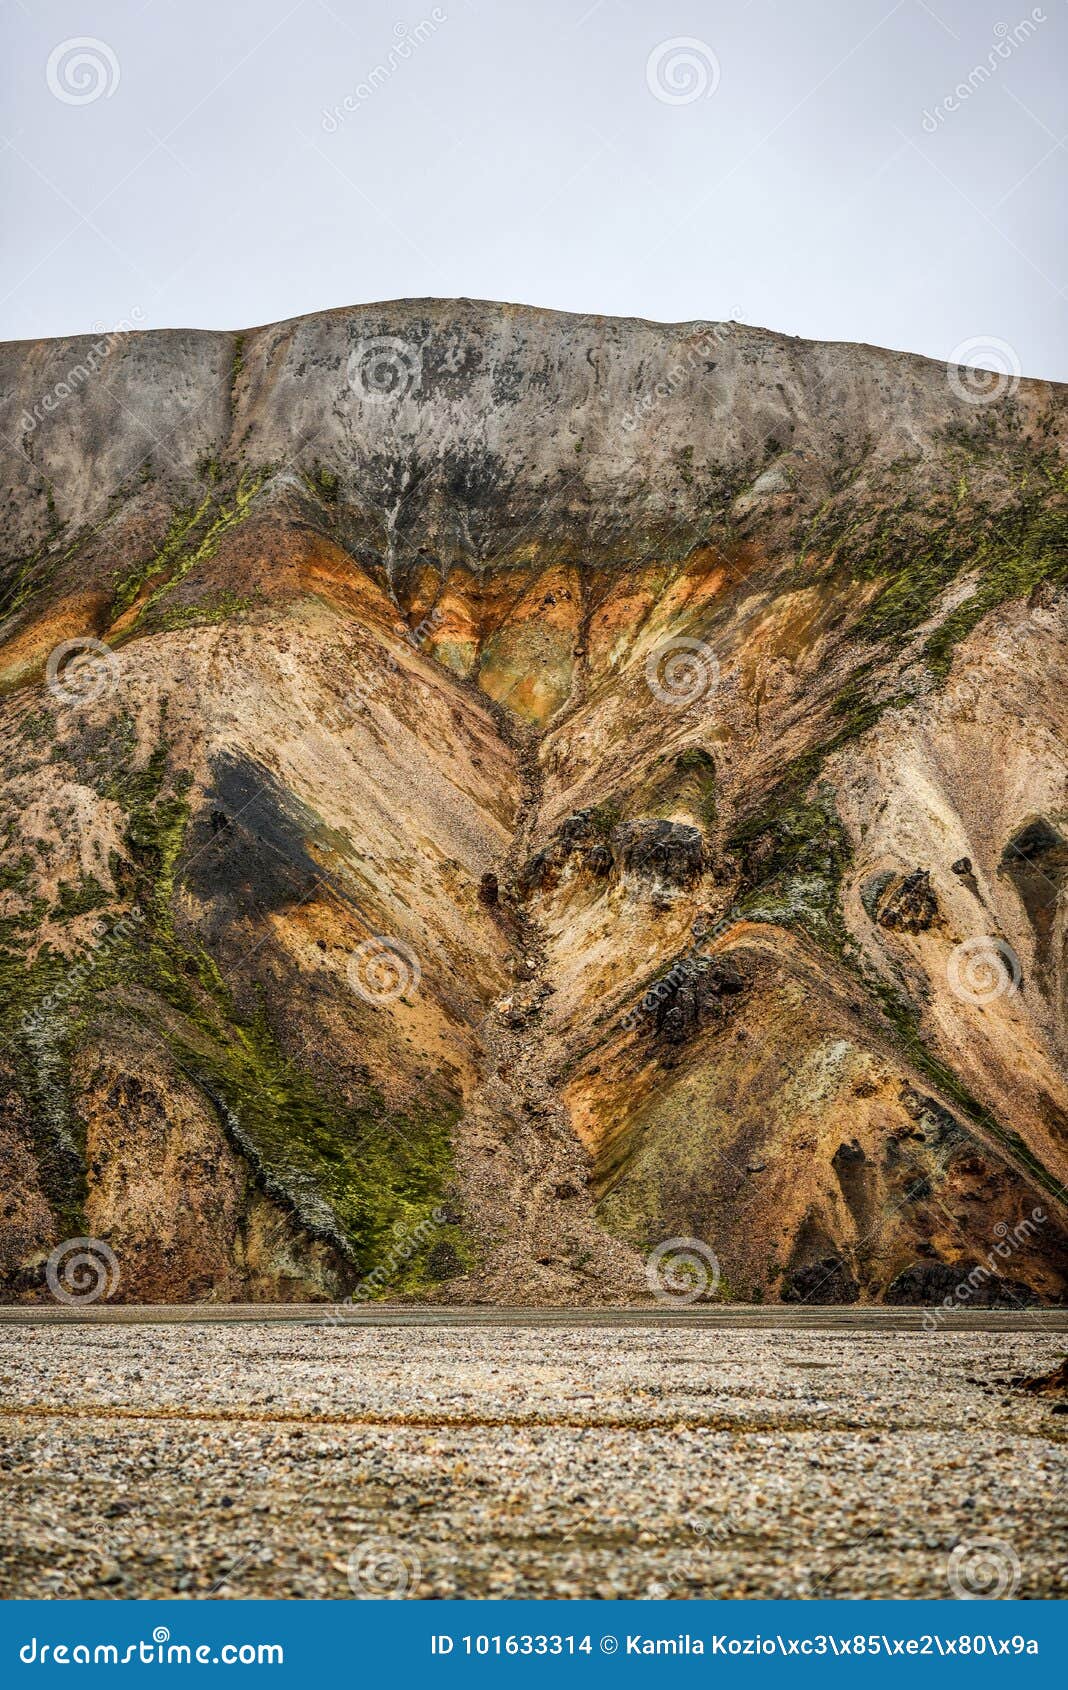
204, 1090
517, 1010
696, 989
1045, 1384
910, 905
872, 890
826, 1281
670, 855
968, 1284
579, 835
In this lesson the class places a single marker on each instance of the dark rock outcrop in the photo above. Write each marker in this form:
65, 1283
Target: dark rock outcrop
1046, 1384
665, 855
669, 854
964, 1284
1035, 859
826, 1281
910, 905
580, 836
696, 990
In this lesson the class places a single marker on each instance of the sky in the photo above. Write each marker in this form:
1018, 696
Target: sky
837, 169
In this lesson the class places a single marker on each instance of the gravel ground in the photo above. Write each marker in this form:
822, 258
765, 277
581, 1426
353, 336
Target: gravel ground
316, 1461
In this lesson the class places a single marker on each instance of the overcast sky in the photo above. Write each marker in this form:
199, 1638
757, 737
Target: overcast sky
839, 169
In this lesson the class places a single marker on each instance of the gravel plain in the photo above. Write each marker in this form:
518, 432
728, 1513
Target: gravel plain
314, 1460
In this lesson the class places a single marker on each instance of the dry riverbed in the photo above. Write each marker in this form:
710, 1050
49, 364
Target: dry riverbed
310, 1460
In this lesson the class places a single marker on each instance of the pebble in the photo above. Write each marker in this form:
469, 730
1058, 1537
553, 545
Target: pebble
469, 1462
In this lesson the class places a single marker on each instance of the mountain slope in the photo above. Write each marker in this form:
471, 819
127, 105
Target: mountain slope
545, 787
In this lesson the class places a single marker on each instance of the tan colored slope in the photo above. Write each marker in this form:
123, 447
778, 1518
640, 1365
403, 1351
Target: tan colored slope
373, 794
335, 792
794, 1128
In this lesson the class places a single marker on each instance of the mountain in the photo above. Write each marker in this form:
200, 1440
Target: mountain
508, 806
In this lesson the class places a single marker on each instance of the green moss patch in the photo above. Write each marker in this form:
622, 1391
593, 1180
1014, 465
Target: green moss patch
194, 536
361, 1177
794, 853
915, 553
